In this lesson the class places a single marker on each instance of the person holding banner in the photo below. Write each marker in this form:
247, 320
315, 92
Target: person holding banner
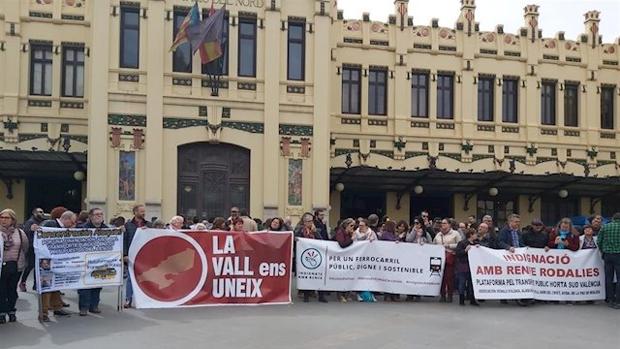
564, 236
275, 224
14, 248
306, 229
88, 299
463, 274
344, 237
52, 300
35, 220
449, 239
131, 227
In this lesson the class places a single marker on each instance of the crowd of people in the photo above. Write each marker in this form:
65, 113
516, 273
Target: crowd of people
458, 238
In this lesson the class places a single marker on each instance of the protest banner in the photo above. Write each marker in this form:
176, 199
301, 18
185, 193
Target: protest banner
199, 268
78, 258
376, 266
532, 273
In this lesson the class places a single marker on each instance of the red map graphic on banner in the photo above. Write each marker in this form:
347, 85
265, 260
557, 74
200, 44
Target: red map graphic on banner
241, 268
167, 268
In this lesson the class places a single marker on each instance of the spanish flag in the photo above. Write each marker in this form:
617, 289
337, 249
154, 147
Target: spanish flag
191, 20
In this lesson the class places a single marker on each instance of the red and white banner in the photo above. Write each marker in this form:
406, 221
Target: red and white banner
532, 273
205, 268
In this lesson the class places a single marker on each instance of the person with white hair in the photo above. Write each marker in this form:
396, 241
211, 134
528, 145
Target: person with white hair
176, 223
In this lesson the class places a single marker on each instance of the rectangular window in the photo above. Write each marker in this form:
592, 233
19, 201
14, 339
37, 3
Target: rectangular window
73, 71
571, 105
247, 47
445, 96
486, 94
41, 70
182, 56
547, 103
607, 107
510, 100
377, 92
419, 94
219, 66
351, 90
130, 37
296, 51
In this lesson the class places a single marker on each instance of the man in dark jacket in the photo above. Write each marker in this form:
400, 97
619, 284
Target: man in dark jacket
509, 236
137, 222
536, 235
88, 299
321, 227
34, 222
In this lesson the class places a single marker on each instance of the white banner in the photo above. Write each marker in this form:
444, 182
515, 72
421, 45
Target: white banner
532, 273
378, 266
78, 258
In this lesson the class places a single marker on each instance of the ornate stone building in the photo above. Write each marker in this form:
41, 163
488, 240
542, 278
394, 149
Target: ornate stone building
313, 112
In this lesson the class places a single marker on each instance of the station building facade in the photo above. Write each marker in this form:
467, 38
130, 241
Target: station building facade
313, 111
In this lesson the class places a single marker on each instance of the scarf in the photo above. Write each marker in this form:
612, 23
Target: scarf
7, 237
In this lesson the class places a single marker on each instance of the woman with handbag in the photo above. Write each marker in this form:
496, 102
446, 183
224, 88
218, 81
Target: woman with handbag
15, 246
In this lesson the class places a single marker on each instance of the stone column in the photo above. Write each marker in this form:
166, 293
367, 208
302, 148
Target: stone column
154, 141
97, 180
271, 141
320, 142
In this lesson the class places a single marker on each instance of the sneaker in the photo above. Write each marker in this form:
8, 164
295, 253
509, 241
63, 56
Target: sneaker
44, 318
343, 299
12, 318
2, 319
95, 311
83, 312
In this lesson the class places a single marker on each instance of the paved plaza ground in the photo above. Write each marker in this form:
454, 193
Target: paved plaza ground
427, 324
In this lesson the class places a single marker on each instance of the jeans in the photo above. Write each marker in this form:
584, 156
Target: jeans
612, 266
8, 292
128, 290
88, 299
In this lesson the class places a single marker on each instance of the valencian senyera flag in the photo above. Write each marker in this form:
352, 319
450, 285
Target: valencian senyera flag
207, 37
191, 20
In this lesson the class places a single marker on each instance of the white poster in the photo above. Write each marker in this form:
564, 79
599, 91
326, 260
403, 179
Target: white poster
78, 258
377, 266
532, 273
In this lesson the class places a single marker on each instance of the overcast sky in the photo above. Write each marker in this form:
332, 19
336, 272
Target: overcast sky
555, 15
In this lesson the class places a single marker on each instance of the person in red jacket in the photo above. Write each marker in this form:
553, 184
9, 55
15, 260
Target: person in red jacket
344, 237
564, 236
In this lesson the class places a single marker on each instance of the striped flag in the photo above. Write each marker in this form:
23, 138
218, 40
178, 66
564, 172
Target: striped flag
207, 38
191, 20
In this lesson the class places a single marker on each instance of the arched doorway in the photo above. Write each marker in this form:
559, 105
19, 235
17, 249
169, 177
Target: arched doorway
212, 178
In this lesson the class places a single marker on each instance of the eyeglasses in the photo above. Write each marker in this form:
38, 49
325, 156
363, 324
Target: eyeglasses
234, 211
5, 217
